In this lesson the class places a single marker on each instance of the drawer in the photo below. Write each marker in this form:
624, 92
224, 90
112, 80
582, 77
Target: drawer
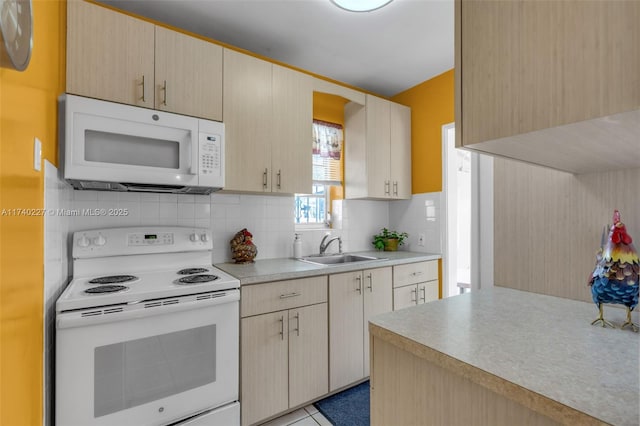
413, 273
279, 295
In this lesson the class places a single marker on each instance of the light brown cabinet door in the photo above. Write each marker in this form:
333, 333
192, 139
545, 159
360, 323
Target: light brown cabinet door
346, 329
378, 299
109, 55
188, 75
404, 297
292, 131
428, 292
308, 353
264, 366
248, 119
400, 151
377, 146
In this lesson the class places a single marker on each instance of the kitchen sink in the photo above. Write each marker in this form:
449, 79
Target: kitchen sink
337, 259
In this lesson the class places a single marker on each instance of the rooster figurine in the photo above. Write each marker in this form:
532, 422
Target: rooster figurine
616, 275
242, 248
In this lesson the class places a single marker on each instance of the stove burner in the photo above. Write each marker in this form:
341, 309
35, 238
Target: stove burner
196, 279
190, 271
106, 289
113, 279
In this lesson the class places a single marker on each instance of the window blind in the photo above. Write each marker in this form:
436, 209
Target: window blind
327, 150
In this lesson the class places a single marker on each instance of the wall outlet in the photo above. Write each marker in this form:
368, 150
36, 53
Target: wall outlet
421, 240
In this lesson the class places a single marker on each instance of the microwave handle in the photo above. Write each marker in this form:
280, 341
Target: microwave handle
193, 155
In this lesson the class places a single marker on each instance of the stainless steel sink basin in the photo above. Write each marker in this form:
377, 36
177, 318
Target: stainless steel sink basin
337, 259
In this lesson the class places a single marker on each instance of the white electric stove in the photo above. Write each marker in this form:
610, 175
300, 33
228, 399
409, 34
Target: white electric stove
147, 331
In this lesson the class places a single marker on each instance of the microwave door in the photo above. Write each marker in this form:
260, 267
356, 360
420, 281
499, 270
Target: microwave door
114, 149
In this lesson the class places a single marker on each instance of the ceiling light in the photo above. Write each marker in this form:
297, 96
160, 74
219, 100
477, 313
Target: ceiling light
361, 5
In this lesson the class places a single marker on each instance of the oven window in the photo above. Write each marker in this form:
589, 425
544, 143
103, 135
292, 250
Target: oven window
132, 373
103, 147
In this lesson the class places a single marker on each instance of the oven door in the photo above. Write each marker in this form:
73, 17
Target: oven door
150, 363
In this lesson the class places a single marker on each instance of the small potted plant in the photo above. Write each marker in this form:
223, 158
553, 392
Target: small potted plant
389, 240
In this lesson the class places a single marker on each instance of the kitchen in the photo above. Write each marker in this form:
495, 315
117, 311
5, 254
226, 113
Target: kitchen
558, 196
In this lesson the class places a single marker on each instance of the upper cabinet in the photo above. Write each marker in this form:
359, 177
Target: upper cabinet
188, 77
268, 114
551, 83
378, 150
116, 57
109, 55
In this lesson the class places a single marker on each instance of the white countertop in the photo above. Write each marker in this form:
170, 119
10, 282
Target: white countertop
544, 344
282, 269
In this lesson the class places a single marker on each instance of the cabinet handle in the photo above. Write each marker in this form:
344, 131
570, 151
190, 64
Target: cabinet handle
288, 295
142, 84
395, 188
370, 286
424, 295
359, 281
164, 89
282, 328
414, 294
415, 274
278, 178
386, 187
264, 179
297, 329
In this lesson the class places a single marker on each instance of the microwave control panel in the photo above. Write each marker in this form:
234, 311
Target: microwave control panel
210, 155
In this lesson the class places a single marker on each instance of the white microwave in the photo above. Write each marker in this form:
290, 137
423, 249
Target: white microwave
116, 147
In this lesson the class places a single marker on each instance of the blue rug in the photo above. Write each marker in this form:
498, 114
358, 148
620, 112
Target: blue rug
347, 408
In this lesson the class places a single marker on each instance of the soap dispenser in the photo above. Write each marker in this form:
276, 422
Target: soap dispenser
297, 247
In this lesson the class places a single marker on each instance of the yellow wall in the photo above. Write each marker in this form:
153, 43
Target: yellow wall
28, 104
431, 105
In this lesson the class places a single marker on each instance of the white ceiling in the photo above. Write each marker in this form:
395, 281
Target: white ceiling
385, 51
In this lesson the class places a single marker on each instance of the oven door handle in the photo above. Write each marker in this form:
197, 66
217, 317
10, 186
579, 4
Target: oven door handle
142, 309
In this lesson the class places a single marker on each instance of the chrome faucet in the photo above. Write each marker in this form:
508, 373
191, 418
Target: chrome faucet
324, 246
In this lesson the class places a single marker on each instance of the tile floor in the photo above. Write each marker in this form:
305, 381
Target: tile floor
307, 416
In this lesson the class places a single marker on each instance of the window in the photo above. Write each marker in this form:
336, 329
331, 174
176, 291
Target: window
312, 209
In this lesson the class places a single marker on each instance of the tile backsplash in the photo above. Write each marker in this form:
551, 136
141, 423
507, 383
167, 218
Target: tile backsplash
269, 218
57, 196
419, 215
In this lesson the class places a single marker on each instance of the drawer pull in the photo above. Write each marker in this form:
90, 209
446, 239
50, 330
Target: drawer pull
415, 274
288, 295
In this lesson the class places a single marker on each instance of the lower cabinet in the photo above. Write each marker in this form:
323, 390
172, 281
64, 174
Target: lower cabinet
284, 354
415, 283
353, 298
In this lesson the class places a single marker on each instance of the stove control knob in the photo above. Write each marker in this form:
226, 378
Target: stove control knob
99, 240
84, 241
204, 238
194, 237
